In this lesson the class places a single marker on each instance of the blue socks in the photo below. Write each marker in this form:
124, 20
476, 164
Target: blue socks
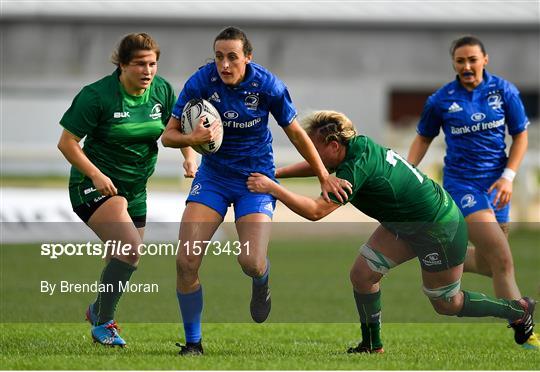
263, 279
191, 306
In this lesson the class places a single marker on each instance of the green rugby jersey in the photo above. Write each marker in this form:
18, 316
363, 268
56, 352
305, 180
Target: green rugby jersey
386, 187
121, 130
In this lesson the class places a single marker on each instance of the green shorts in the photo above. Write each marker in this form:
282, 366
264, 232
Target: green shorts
442, 244
83, 193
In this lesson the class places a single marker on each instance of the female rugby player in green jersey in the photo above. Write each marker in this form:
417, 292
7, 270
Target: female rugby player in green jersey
418, 219
121, 117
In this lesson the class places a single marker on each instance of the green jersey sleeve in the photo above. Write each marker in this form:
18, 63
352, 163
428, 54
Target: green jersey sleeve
355, 174
83, 115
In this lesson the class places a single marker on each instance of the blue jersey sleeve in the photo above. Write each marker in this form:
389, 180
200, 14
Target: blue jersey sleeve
516, 118
281, 105
191, 90
431, 120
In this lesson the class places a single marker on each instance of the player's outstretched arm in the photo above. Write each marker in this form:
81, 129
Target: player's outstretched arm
302, 169
312, 209
329, 184
418, 149
173, 136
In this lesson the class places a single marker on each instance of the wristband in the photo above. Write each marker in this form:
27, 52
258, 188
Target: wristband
508, 174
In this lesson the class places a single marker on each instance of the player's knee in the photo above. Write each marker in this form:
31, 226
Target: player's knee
445, 308
377, 266
186, 265
445, 300
130, 252
362, 277
252, 267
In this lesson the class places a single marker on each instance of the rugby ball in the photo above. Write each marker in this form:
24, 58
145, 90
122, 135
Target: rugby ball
193, 111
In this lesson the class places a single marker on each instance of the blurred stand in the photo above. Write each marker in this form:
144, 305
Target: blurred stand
375, 61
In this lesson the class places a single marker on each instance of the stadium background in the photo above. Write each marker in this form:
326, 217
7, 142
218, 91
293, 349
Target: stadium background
374, 61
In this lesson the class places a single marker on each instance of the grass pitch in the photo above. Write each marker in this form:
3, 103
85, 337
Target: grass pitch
311, 325
267, 347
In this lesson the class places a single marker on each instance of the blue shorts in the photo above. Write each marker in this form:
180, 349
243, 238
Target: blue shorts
471, 195
219, 192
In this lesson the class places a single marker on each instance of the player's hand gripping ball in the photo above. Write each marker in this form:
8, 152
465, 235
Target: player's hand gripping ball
193, 111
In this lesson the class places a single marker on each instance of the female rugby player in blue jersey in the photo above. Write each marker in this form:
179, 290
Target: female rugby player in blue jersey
473, 111
244, 93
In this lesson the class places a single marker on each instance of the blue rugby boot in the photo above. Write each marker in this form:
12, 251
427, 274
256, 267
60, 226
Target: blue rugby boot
107, 334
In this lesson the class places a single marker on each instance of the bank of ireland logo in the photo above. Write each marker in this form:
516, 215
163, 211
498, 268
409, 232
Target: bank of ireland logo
467, 201
230, 114
252, 101
195, 189
156, 111
495, 101
432, 259
479, 116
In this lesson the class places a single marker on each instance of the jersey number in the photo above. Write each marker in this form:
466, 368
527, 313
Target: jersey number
392, 158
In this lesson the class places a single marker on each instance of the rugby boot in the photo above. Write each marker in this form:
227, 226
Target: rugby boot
523, 327
190, 348
361, 348
107, 334
261, 302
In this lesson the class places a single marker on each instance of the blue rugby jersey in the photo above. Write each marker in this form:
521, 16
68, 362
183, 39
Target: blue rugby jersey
244, 110
474, 125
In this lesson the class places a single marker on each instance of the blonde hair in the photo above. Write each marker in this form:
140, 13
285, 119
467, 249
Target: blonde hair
329, 126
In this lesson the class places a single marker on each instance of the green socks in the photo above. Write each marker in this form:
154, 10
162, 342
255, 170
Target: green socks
369, 309
479, 305
114, 273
